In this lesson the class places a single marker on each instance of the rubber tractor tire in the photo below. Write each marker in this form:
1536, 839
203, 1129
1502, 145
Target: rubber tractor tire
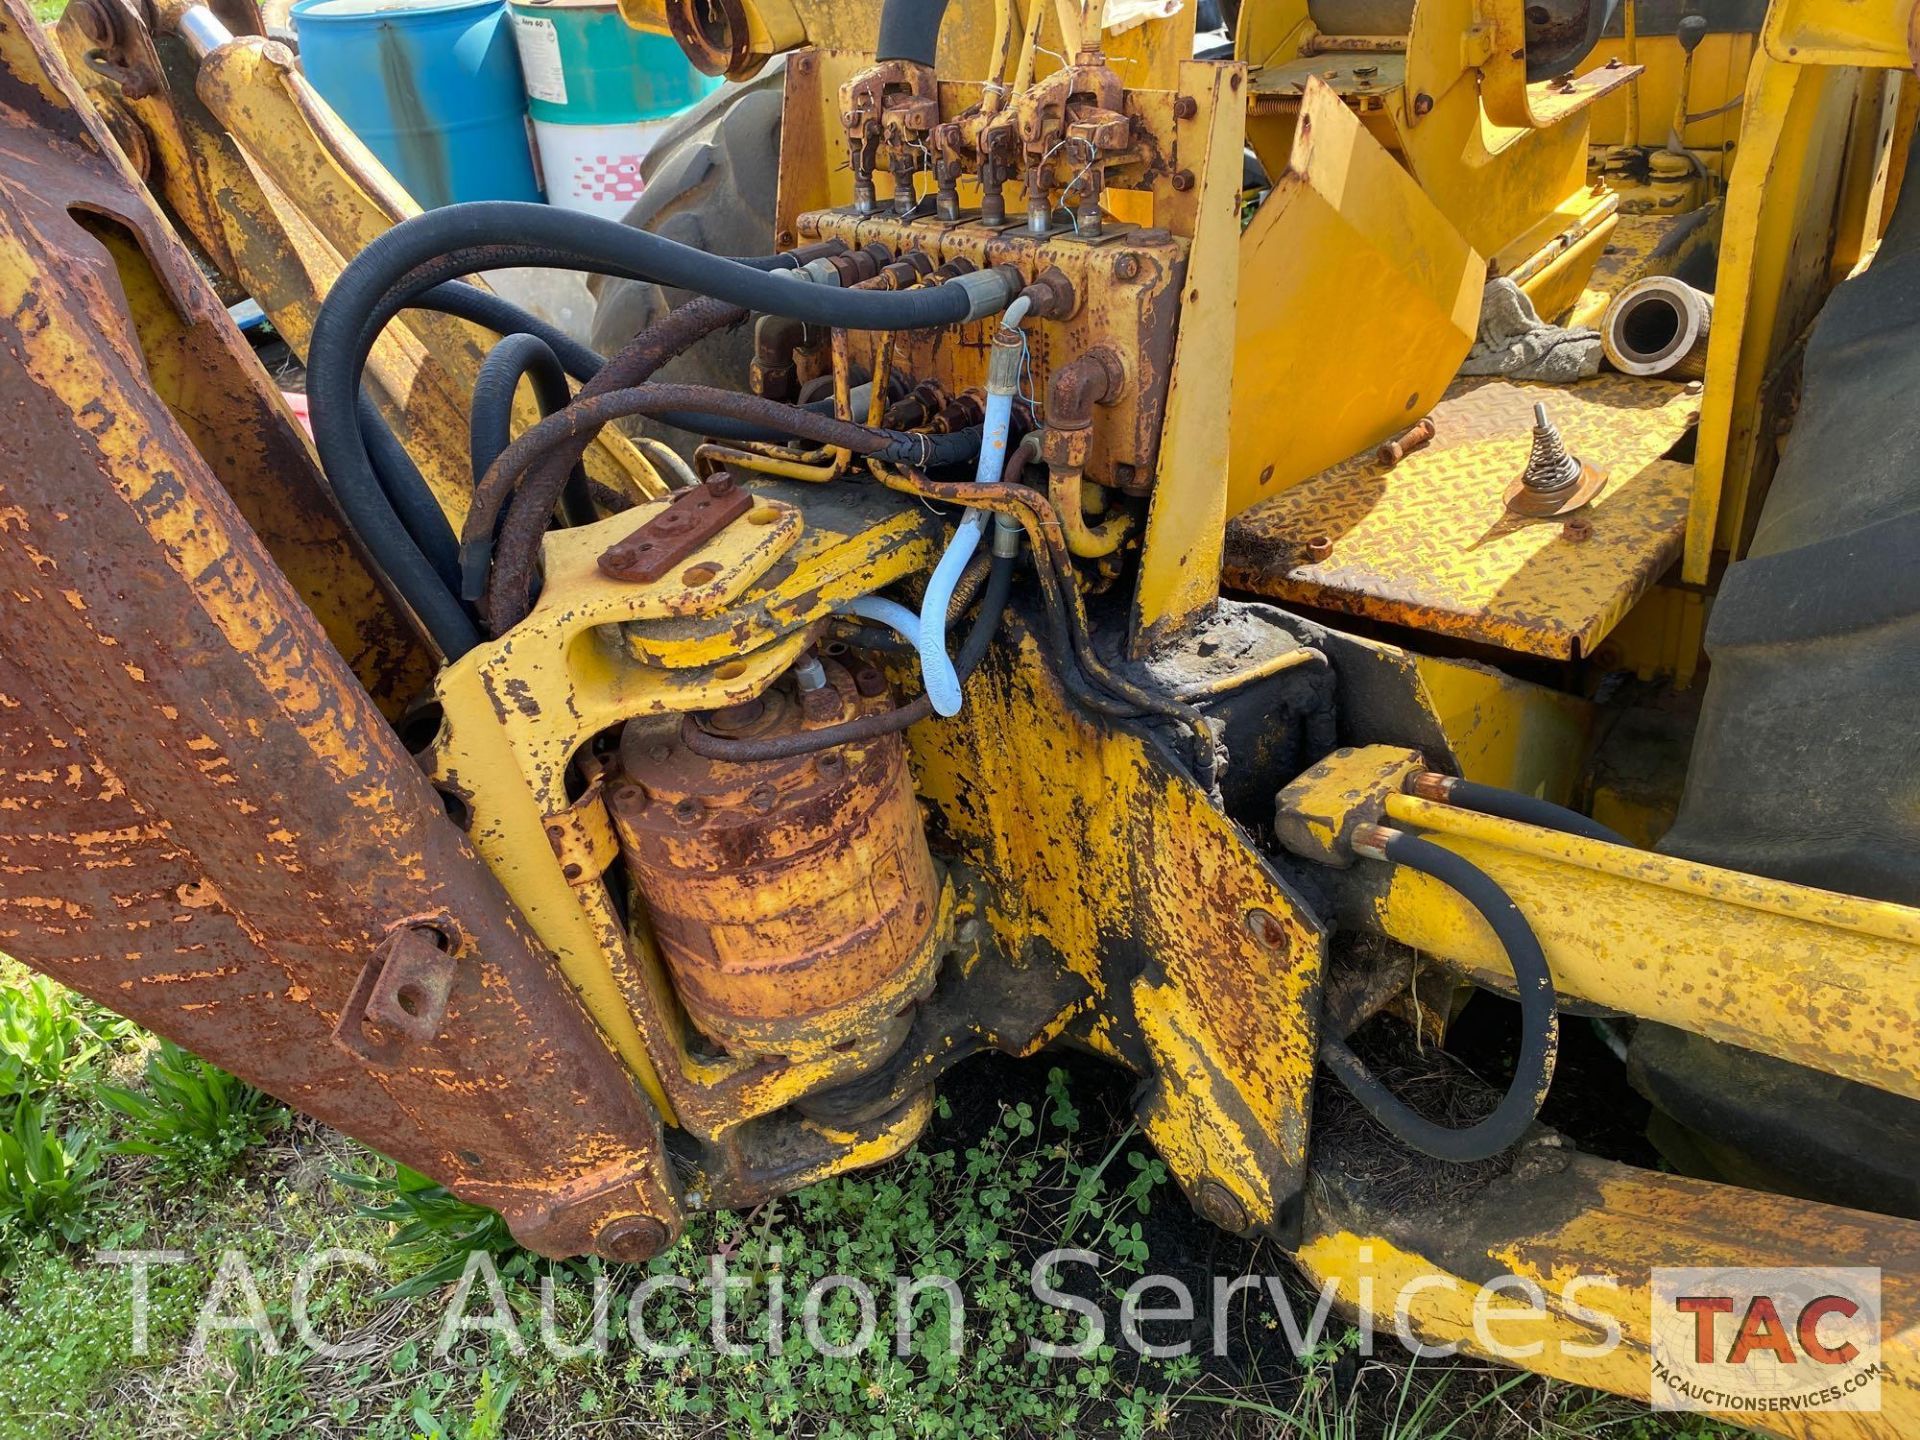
710, 183
1806, 763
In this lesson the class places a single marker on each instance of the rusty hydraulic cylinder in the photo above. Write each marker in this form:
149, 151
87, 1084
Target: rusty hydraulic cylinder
795, 900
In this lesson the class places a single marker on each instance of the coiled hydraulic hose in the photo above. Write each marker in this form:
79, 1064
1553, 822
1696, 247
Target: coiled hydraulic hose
490, 420
406, 490
1512, 805
410, 261
490, 311
1539, 1017
429, 250
587, 242
993, 605
483, 307
520, 535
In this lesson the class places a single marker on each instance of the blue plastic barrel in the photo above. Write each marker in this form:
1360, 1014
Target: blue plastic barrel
434, 90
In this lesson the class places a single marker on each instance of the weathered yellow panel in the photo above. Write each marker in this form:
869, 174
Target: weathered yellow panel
1507, 732
1358, 301
1839, 32
1590, 1234
1775, 250
1429, 542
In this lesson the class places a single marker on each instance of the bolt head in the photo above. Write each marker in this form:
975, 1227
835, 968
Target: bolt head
1266, 929
1220, 1206
630, 1239
821, 704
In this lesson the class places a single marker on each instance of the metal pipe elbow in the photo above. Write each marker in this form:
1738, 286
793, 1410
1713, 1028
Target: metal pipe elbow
1094, 378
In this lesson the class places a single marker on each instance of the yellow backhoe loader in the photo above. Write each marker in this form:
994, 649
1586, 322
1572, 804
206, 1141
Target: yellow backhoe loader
1203, 552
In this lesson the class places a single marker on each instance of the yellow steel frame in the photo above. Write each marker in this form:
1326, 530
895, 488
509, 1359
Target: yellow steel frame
1590, 1234
517, 712
1809, 191
1828, 981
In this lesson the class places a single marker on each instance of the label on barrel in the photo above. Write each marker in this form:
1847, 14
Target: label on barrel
539, 44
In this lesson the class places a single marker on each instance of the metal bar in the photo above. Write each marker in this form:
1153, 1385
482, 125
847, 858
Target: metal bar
1823, 980
1591, 1234
205, 823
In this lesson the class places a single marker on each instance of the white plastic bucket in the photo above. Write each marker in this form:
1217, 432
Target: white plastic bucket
595, 169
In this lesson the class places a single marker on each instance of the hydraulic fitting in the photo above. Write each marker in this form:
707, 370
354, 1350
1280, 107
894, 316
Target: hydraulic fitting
1095, 378
772, 372
989, 291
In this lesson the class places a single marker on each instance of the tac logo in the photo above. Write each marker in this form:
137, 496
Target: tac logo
1753, 1341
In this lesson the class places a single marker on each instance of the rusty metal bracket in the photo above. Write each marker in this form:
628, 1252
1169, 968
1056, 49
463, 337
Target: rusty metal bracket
582, 835
401, 996
691, 519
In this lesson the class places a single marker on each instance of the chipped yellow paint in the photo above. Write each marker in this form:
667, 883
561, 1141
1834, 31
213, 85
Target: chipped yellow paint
1507, 732
1590, 1234
1180, 557
1828, 981
61, 353
280, 193
1429, 542
1319, 810
1777, 240
1346, 243
1098, 852
733, 617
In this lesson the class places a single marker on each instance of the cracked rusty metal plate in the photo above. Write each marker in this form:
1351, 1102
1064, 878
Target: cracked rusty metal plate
1430, 544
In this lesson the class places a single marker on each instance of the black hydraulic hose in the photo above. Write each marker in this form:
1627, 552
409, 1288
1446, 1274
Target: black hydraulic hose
523, 485
503, 228
741, 432
407, 492
1539, 1022
355, 311
909, 30
356, 484
1529, 810
587, 415
484, 308
490, 420
353, 314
